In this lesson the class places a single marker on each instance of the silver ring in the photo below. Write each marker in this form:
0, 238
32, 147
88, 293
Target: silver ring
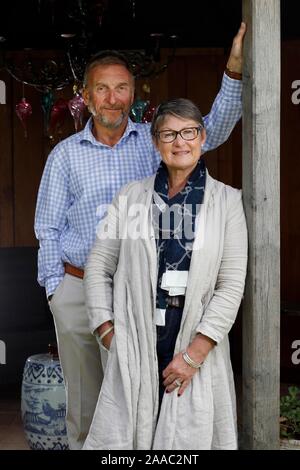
177, 382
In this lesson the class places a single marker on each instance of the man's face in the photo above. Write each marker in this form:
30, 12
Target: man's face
109, 94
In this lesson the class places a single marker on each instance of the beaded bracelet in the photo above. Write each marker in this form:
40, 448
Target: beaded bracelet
190, 361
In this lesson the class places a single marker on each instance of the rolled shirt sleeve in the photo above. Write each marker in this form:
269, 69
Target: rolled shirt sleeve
224, 114
50, 220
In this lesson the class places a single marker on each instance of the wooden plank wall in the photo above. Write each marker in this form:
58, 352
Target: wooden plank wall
290, 175
22, 161
6, 168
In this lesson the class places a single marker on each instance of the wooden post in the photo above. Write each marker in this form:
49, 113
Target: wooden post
261, 190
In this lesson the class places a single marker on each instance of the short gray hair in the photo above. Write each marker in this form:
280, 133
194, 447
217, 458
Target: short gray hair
109, 57
178, 107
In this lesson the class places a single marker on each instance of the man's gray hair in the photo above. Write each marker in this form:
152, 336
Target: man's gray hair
178, 107
108, 57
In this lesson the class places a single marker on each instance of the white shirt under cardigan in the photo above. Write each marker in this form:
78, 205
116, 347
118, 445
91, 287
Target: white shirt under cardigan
120, 282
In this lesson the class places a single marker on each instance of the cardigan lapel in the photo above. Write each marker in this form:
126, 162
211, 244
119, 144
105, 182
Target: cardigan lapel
145, 199
198, 273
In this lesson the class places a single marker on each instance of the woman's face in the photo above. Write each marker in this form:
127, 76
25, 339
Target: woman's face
180, 154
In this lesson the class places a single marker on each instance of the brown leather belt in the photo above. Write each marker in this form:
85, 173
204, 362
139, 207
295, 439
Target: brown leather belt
175, 301
77, 272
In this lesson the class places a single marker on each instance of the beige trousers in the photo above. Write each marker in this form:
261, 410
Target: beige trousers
79, 357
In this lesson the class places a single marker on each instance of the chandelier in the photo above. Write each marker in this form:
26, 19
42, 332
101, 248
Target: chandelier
77, 33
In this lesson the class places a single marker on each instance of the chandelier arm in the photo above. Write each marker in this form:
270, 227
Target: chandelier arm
71, 67
38, 86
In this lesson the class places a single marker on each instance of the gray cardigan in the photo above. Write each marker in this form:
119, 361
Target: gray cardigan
120, 284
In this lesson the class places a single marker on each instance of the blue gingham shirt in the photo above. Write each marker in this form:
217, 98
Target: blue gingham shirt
82, 176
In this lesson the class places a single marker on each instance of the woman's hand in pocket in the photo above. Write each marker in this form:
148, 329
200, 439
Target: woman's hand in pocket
107, 338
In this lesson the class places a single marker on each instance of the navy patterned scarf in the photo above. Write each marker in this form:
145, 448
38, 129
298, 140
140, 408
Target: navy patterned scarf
174, 222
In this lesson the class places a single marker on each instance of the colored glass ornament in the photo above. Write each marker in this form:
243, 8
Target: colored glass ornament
47, 102
148, 115
138, 109
23, 111
76, 106
59, 112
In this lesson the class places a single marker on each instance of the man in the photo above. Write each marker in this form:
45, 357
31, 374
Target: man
81, 177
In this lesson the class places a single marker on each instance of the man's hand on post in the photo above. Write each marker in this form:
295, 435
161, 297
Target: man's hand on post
235, 60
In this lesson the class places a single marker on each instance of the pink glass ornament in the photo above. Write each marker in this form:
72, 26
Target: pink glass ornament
23, 111
148, 116
58, 115
76, 106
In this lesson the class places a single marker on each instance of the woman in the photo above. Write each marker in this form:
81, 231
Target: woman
164, 281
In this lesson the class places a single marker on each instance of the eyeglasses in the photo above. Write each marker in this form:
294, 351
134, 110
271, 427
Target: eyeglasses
188, 133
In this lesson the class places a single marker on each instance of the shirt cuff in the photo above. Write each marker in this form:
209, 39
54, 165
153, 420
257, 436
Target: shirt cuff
52, 283
231, 88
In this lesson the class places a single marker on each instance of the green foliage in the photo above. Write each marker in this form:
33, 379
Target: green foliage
290, 414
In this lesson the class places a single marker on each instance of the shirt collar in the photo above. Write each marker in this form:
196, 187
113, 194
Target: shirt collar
87, 135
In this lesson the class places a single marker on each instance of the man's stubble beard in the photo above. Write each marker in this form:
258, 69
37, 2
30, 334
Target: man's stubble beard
104, 121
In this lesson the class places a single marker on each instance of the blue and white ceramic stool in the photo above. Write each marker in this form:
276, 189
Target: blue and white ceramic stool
44, 403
